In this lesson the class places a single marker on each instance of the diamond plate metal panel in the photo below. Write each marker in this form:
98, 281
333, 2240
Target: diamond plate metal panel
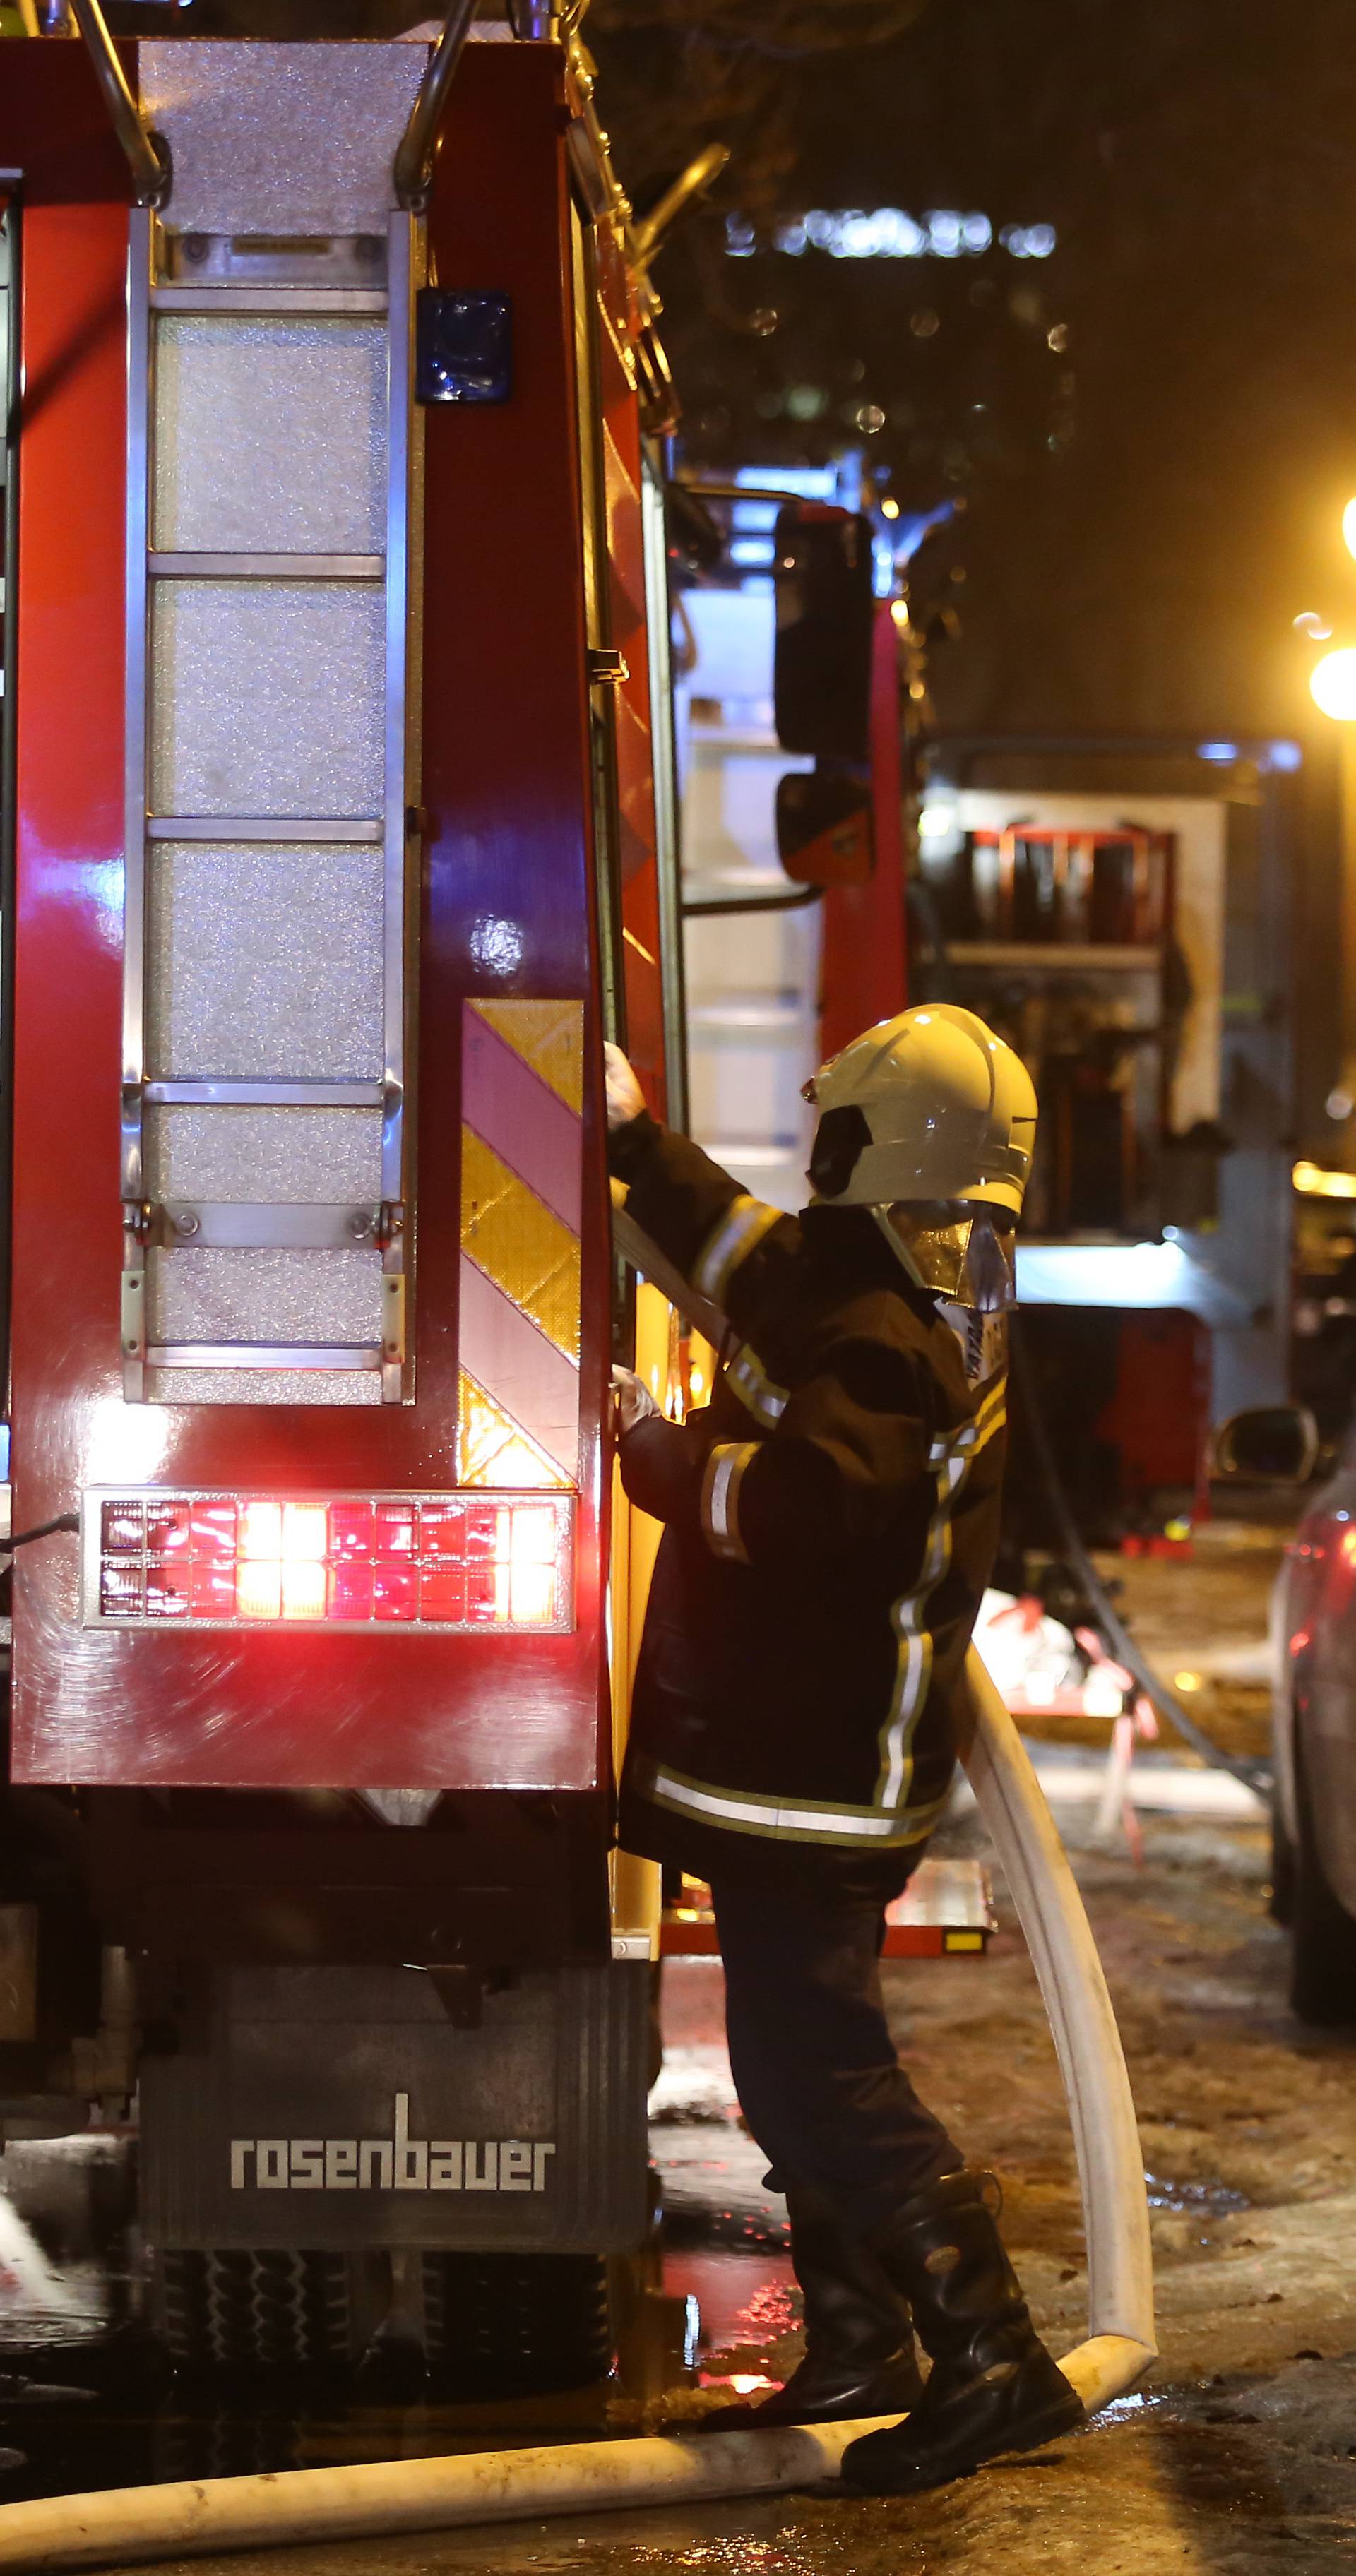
323, 1157
271, 138
270, 435
264, 1296
268, 698
262, 1386
264, 962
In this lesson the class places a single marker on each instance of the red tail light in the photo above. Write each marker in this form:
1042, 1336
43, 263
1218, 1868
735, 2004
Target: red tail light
467, 1561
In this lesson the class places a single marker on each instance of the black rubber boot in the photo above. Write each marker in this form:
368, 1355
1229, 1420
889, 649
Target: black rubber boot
859, 2352
993, 2386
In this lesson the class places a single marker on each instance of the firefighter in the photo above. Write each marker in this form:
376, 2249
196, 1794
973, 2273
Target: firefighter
830, 1522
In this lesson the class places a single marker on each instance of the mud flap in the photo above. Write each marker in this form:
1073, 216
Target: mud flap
341, 2108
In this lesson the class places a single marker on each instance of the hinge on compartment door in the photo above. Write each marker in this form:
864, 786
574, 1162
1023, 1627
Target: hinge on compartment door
390, 1240
138, 1217
607, 668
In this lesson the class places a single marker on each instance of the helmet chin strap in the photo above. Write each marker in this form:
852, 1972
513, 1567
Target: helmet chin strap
901, 1249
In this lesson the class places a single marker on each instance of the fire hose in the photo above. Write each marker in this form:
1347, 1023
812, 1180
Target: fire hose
202, 2516
1119, 1642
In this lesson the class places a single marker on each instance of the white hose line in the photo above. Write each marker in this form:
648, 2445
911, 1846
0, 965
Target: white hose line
1121, 2341
198, 2516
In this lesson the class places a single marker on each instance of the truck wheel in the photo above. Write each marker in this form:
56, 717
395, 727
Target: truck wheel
515, 2325
254, 2311
1323, 1934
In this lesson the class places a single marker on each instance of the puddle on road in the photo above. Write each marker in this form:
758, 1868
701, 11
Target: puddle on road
57, 2437
749, 2306
1198, 2199
743, 2299
96, 2410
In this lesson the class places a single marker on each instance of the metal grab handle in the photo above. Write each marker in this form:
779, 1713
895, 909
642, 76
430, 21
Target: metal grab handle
708, 904
413, 166
694, 181
147, 154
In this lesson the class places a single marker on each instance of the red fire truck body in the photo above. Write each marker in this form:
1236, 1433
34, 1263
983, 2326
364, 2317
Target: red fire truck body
336, 662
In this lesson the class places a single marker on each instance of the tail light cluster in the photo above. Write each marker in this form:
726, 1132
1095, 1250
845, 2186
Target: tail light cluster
466, 1561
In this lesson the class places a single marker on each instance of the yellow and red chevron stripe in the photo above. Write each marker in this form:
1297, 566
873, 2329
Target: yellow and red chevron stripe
521, 1184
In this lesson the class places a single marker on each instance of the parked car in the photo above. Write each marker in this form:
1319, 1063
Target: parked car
1314, 1705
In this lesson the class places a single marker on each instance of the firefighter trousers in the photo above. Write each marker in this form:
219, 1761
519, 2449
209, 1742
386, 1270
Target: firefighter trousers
815, 2068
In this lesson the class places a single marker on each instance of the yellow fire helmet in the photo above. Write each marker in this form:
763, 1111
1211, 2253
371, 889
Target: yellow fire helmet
929, 1120
930, 1105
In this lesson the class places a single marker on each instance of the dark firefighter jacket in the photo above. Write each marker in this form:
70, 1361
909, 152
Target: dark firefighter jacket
831, 1521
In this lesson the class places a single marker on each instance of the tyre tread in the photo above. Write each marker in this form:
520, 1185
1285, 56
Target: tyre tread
273, 2309
505, 2325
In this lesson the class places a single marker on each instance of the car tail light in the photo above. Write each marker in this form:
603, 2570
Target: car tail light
469, 1561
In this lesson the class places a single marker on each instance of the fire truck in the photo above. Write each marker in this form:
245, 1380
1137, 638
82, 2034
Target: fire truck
337, 835
1122, 910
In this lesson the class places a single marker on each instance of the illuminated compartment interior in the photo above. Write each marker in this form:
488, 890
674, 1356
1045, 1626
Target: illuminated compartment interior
466, 1560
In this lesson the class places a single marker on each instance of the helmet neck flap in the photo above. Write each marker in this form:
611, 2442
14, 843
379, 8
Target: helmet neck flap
955, 1251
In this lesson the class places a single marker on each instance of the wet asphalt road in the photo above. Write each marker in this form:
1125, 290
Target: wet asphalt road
1238, 2455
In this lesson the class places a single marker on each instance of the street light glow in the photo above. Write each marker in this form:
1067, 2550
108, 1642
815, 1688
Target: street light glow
1349, 527
1332, 684
1313, 1182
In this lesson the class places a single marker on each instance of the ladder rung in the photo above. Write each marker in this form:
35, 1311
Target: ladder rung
251, 1093
298, 300
264, 1355
255, 827
171, 567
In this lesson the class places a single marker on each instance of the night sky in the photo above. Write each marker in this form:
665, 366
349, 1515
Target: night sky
1153, 430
